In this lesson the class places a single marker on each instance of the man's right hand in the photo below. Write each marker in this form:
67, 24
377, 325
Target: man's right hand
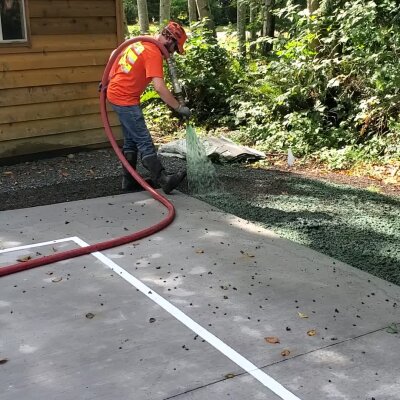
183, 111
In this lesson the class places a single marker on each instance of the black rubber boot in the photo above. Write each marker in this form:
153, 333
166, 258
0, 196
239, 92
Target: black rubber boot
128, 182
168, 182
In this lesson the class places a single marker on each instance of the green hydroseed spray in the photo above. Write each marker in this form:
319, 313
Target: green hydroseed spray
200, 170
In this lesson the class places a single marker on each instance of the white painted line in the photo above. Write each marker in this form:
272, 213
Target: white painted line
29, 246
217, 343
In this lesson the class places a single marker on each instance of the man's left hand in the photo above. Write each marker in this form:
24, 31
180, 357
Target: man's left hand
183, 111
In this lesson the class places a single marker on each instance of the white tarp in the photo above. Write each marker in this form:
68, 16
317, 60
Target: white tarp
218, 149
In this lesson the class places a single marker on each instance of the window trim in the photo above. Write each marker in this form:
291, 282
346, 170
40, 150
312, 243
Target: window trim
20, 42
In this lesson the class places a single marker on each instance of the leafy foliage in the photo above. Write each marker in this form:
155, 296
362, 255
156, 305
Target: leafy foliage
153, 8
329, 87
222, 11
208, 73
332, 83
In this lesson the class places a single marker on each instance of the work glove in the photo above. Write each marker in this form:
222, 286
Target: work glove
183, 111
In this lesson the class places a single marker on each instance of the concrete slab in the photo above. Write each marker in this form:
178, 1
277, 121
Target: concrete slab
366, 367
90, 336
238, 281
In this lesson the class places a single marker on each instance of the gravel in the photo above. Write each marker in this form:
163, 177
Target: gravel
356, 226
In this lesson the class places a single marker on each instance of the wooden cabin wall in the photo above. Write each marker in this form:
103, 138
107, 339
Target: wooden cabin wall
49, 90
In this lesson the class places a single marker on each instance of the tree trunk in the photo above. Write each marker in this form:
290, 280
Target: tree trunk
253, 31
143, 17
165, 12
204, 12
312, 6
241, 27
268, 25
192, 11
125, 22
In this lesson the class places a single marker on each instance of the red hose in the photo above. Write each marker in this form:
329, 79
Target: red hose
37, 262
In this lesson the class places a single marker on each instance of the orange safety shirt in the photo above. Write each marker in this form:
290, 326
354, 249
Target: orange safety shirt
132, 71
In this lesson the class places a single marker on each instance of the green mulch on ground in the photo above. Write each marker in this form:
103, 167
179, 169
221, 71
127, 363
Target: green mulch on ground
356, 226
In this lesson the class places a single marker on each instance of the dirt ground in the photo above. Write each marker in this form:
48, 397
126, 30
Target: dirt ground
96, 173
381, 179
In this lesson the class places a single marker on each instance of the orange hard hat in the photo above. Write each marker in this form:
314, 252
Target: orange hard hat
178, 33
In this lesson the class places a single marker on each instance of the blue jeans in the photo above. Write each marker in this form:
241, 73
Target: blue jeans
136, 134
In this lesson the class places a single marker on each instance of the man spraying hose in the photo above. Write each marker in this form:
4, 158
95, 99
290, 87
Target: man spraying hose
134, 69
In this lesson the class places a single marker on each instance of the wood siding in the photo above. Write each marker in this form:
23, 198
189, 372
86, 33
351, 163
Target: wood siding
48, 90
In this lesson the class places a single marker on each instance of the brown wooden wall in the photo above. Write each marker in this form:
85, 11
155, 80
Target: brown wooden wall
48, 90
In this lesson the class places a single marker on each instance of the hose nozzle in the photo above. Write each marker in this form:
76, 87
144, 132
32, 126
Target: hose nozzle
177, 88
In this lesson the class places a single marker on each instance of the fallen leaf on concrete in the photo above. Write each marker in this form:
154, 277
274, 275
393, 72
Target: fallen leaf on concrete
311, 332
272, 339
199, 251
301, 315
54, 249
57, 279
3, 360
151, 320
89, 315
229, 376
245, 253
24, 259
285, 353
9, 173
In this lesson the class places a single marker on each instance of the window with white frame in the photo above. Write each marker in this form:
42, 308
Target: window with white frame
12, 21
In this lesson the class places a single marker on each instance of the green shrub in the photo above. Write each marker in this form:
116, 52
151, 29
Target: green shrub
208, 73
332, 83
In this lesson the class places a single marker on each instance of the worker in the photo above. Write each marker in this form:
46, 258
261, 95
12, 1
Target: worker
134, 69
